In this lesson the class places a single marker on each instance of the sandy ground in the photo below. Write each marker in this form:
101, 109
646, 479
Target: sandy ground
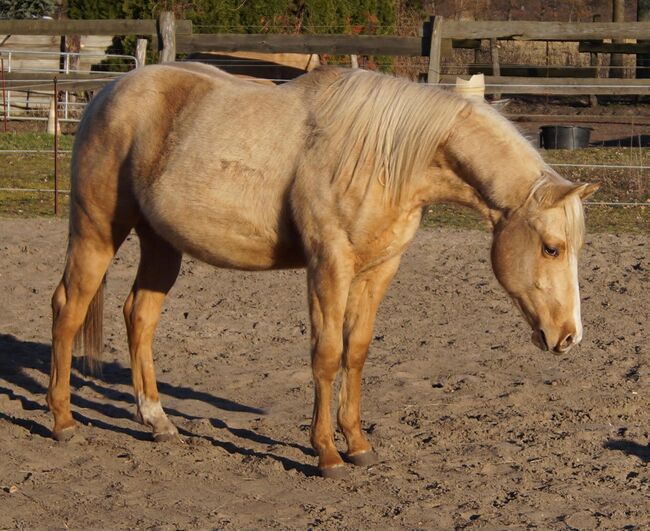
475, 427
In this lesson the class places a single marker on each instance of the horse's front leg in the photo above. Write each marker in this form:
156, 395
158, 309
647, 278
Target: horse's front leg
366, 292
328, 282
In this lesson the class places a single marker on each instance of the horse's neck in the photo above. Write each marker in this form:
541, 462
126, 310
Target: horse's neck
493, 159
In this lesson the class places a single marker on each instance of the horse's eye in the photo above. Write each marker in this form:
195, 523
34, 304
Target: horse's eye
551, 251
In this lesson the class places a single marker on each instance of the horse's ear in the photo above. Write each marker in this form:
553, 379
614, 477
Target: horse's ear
551, 194
586, 190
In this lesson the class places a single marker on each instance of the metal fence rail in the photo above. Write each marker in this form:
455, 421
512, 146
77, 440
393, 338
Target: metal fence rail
27, 81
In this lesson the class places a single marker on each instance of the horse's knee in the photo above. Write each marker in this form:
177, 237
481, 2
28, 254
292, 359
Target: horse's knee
58, 300
356, 351
127, 309
325, 370
326, 357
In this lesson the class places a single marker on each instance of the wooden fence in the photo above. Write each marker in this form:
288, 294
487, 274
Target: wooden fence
172, 36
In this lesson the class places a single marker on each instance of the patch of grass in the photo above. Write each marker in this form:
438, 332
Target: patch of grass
448, 215
13, 140
629, 185
33, 171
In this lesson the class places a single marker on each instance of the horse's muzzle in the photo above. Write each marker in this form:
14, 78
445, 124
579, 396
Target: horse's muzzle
563, 346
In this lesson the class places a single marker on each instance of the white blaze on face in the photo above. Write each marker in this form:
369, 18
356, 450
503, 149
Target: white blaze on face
573, 265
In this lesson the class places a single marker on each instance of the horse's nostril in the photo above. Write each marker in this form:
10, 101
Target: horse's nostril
566, 344
542, 336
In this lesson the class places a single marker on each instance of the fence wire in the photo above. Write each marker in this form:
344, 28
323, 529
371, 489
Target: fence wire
641, 169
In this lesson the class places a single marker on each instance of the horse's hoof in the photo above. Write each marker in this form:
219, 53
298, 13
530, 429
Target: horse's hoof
334, 472
364, 458
165, 437
64, 435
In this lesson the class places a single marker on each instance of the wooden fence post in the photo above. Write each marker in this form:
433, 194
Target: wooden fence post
643, 60
496, 66
616, 63
140, 52
594, 62
167, 37
433, 75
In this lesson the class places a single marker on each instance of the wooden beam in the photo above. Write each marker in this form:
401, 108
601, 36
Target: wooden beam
616, 64
435, 50
560, 86
140, 52
543, 31
167, 37
496, 67
276, 43
643, 59
630, 48
579, 118
533, 71
87, 27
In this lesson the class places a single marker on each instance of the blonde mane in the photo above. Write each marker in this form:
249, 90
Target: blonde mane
389, 126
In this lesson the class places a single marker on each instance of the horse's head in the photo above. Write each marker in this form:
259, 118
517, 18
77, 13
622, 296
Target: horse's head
535, 258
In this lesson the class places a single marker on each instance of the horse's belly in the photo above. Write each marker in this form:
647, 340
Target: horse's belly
223, 227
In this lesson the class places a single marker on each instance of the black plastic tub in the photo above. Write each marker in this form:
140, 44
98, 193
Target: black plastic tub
564, 137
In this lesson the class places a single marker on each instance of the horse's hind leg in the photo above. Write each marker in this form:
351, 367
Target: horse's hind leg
366, 292
89, 254
157, 272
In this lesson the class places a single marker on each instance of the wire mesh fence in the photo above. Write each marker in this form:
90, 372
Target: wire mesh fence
28, 168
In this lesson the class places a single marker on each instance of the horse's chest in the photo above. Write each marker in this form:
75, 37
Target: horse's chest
384, 241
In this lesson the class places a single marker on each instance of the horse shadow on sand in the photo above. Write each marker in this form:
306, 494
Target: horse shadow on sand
18, 357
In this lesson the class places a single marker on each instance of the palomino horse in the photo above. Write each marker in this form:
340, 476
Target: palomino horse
329, 172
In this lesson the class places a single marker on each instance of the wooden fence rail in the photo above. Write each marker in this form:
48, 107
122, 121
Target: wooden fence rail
176, 36
321, 44
87, 27
544, 31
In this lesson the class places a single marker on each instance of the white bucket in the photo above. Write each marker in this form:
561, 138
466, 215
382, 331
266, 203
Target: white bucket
472, 88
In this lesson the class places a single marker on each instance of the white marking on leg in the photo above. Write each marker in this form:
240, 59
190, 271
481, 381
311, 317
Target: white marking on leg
151, 414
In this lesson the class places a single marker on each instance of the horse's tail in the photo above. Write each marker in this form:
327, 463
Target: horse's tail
89, 340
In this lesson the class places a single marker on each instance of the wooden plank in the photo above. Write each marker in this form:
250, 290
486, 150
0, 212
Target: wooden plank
87, 27
591, 47
580, 118
560, 86
542, 31
276, 43
496, 67
534, 71
435, 50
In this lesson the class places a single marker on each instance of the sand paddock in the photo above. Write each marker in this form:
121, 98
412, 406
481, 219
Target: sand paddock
475, 427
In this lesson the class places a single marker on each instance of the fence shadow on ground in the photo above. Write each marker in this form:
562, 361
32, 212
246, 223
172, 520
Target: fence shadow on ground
629, 448
18, 357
